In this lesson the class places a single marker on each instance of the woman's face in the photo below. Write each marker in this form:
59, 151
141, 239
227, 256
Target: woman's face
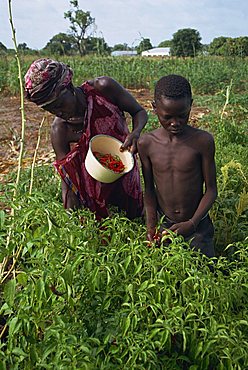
65, 106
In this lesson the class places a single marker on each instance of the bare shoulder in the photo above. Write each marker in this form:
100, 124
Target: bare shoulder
103, 83
147, 138
204, 137
109, 88
203, 141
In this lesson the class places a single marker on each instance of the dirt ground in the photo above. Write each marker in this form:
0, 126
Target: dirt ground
10, 126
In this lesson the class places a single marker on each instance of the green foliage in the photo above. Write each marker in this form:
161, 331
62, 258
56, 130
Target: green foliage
227, 46
207, 75
23, 47
81, 24
186, 43
61, 44
164, 44
216, 45
3, 49
83, 294
145, 44
97, 45
230, 211
121, 47
90, 295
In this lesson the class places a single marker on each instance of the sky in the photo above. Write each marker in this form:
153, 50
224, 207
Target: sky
125, 21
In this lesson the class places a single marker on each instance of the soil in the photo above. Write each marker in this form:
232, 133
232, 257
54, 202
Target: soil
10, 125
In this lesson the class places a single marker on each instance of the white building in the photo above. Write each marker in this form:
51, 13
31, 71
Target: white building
156, 52
126, 53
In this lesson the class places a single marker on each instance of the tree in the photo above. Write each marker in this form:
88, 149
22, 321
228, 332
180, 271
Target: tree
186, 43
61, 44
81, 24
241, 46
216, 46
145, 44
23, 47
97, 45
164, 44
227, 46
121, 47
3, 48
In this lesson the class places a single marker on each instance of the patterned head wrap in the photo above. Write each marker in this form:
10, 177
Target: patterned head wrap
45, 79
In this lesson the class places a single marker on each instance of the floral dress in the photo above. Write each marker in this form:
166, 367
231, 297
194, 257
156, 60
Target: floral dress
102, 117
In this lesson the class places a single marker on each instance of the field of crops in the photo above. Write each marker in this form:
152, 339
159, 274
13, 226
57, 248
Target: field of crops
80, 294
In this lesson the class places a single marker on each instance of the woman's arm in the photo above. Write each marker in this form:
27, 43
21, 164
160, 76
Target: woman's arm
119, 96
61, 147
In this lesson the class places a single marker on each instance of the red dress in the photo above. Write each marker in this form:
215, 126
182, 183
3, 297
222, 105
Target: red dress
102, 117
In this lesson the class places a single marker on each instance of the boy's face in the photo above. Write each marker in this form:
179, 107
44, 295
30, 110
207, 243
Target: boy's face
173, 114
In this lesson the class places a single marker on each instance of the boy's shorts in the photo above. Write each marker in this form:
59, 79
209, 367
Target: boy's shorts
201, 239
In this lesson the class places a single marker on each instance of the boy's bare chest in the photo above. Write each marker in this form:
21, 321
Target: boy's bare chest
174, 157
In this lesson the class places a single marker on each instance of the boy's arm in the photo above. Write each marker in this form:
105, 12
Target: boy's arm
150, 198
209, 175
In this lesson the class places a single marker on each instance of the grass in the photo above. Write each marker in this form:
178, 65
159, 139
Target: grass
208, 75
94, 296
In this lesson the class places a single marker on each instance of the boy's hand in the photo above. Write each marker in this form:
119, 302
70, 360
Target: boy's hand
185, 228
153, 237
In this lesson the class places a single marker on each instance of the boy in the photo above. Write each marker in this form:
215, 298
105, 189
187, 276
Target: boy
178, 168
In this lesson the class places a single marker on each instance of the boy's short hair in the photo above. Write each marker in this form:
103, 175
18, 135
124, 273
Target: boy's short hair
172, 86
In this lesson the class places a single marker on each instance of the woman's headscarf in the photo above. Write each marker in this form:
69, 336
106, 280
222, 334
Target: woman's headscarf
45, 79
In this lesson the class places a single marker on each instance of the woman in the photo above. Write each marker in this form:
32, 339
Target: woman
96, 107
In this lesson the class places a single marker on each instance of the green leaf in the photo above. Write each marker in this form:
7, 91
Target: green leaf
154, 332
130, 290
19, 352
126, 325
85, 349
14, 326
127, 261
9, 291
39, 289
6, 309
49, 349
164, 337
22, 278
2, 218
144, 285
184, 341
68, 274
27, 247
138, 268
242, 322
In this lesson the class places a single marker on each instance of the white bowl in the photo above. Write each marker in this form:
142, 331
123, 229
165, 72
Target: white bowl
106, 144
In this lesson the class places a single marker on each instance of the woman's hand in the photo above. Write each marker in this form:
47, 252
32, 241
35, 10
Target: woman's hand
130, 143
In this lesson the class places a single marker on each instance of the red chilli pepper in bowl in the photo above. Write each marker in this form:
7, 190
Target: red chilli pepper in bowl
112, 162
